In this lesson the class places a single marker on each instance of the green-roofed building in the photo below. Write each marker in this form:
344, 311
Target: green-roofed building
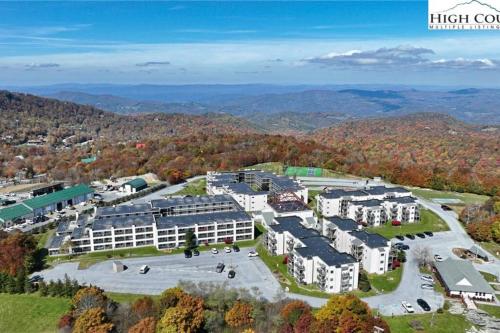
88, 160
13, 213
134, 185
58, 200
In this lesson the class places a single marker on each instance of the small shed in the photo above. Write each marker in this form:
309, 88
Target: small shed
134, 185
118, 266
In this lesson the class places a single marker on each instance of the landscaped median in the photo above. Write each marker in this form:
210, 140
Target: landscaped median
429, 221
380, 283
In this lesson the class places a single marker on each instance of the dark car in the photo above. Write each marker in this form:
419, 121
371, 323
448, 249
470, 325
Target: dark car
236, 248
421, 235
231, 274
188, 254
196, 252
400, 237
444, 207
410, 236
35, 279
220, 267
423, 304
429, 233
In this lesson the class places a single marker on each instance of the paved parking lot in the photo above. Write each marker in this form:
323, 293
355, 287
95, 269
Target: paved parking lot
166, 271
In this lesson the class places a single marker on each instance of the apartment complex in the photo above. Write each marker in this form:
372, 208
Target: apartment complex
372, 207
311, 259
252, 188
161, 223
372, 251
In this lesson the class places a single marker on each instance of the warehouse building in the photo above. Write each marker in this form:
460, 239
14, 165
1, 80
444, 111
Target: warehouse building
44, 204
134, 186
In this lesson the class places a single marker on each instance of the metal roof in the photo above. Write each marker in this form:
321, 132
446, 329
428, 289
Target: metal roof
119, 222
103, 212
321, 248
197, 200
63, 195
136, 183
343, 223
167, 222
460, 275
14, 212
370, 240
56, 242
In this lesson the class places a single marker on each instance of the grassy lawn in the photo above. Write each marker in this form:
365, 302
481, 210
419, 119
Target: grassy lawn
491, 247
466, 198
442, 323
491, 309
387, 282
429, 221
312, 200
276, 167
194, 188
30, 313
43, 237
488, 277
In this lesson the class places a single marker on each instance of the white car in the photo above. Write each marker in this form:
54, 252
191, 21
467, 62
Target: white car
407, 306
427, 286
253, 254
427, 278
227, 249
438, 258
215, 251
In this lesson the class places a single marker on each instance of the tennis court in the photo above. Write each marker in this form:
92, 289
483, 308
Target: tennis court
303, 171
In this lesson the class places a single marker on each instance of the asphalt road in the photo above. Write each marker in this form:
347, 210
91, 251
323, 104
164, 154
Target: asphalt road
166, 272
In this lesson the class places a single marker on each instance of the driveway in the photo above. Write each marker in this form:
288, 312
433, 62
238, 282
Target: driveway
163, 192
166, 272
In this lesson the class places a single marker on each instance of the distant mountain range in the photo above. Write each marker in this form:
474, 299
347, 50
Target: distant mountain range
307, 110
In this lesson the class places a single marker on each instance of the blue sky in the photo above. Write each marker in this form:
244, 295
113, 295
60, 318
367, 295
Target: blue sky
239, 42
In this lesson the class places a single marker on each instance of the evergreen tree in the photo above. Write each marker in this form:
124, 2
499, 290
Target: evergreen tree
42, 287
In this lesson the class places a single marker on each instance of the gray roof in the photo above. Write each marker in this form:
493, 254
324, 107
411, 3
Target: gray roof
344, 224
123, 222
320, 247
166, 222
293, 225
196, 200
460, 275
62, 227
78, 233
289, 206
402, 200
283, 182
56, 242
243, 188
339, 193
367, 203
124, 210
371, 240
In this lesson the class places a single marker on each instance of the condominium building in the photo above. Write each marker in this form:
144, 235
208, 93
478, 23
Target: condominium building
373, 206
251, 188
161, 223
372, 251
311, 259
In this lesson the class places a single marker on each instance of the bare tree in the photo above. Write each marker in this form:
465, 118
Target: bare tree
423, 255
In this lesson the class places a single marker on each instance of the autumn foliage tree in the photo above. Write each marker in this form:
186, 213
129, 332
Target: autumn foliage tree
240, 315
144, 307
292, 311
89, 298
15, 252
146, 325
92, 320
186, 317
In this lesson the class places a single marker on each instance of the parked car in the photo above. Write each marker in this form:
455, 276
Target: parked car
196, 252
410, 236
400, 237
236, 248
444, 207
253, 253
35, 278
427, 278
423, 304
405, 247
427, 286
144, 269
396, 223
438, 258
220, 267
231, 274
227, 249
421, 235
408, 307
188, 254
215, 251
429, 233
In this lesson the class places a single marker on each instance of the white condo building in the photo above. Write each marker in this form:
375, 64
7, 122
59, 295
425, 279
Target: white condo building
311, 259
161, 223
373, 251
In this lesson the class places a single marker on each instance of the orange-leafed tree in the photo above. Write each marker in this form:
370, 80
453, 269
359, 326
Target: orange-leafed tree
92, 320
240, 315
14, 252
146, 325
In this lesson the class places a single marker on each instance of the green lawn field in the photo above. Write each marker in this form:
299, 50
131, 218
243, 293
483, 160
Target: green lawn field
439, 323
